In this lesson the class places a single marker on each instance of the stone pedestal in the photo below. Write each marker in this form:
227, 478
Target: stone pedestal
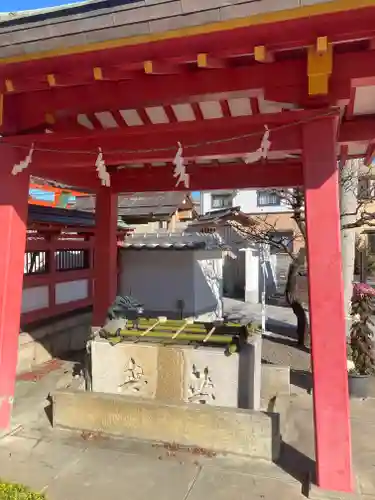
179, 373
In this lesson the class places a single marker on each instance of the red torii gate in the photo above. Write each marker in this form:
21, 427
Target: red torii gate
307, 73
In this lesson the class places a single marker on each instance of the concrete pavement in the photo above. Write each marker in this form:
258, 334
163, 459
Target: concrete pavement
69, 466
79, 466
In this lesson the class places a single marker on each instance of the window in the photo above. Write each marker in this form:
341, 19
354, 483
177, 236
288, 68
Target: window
69, 260
365, 188
221, 200
371, 243
35, 263
268, 198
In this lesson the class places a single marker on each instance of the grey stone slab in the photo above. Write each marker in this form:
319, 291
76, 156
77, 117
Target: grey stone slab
253, 8
317, 493
261, 469
107, 474
227, 430
116, 32
194, 19
96, 26
216, 484
150, 12
275, 381
312, 2
198, 6
362, 445
38, 467
17, 444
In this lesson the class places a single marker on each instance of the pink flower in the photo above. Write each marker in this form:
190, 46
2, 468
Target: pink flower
363, 290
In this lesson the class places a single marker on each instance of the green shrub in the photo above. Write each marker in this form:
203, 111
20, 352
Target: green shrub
10, 491
361, 347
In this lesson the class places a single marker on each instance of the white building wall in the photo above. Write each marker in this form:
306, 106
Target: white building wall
246, 199
253, 282
208, 284
234, 261
161, 278
205, 202
158, 279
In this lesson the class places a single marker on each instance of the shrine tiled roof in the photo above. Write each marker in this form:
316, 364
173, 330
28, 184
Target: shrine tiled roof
174, 241
94, 21
223, 216
142, 205
63, 217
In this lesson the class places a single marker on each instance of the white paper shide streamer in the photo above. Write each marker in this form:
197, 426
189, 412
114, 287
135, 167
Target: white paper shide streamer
261, 152
180, 168
102, 169
22, 165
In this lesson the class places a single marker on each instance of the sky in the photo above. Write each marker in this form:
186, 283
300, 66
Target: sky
14, 5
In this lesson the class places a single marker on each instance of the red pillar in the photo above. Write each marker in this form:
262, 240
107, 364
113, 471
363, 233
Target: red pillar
327, 316
13, 224
105, 254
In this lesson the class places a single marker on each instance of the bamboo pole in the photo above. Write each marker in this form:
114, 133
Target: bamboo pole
149, 329
179, 330
190, 337
209, 334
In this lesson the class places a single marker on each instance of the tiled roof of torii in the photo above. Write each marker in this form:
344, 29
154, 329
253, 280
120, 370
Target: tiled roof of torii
103, 20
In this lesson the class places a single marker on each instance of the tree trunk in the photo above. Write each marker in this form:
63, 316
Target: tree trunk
348, 212
295, 302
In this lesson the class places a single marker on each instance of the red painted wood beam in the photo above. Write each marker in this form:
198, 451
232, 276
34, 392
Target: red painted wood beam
202, 177
282, 141
49, 164
349, 112
146, 90
340, 26
225, 176
56, 310
328, 338
357, 129
59, 277
13, 217
165, 137
246, 124
61, 244
105, 257
370, 154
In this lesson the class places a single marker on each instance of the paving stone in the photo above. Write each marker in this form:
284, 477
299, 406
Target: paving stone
108, 474
214, 484
366, 481
37, 468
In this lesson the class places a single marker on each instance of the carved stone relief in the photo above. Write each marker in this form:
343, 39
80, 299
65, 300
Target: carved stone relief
201, 388
134, 378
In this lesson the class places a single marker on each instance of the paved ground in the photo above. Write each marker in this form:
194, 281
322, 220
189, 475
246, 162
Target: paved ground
70, 466
280, 343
